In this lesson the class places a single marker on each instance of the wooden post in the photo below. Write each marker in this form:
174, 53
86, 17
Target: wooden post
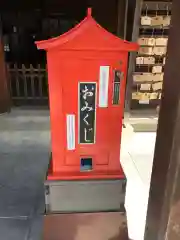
121, 18
163, 216
135, 10
5, 102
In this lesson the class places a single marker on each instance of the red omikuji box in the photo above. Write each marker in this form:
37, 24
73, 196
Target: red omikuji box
87, 69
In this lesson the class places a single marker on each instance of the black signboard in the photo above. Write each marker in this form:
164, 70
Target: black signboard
87, 112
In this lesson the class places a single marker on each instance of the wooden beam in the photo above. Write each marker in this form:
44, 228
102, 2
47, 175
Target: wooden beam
163, 216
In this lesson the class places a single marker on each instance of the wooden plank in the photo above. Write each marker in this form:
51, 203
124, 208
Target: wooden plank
163, 216
85, 226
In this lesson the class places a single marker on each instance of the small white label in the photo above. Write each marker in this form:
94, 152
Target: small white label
103, 86
144, 101
70, 123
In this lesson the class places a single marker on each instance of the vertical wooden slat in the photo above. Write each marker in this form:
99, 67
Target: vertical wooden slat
32, 80
16, 72
46, 79
9, 75
40, 81
25, 81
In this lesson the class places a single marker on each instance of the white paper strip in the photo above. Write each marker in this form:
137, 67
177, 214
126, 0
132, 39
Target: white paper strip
103, 86
70, 123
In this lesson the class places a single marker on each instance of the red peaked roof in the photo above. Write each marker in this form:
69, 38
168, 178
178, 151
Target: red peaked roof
88, 35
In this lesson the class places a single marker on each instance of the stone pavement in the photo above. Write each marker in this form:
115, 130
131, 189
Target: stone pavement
142, 121
24, 153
